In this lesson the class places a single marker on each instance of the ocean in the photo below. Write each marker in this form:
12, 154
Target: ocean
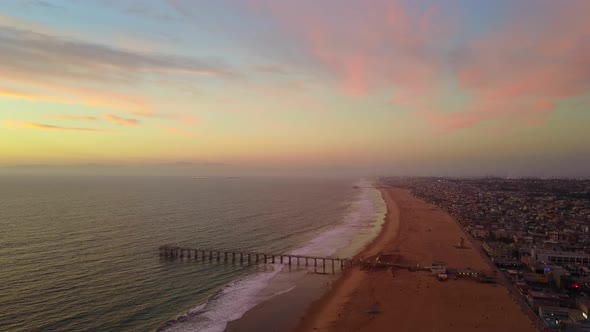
81, 253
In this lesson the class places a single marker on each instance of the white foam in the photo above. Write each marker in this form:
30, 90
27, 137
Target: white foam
230, 304
233, 301
283, 291
197, 309
362, 213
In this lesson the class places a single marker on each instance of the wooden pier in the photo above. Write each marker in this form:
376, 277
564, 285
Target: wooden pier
246, 257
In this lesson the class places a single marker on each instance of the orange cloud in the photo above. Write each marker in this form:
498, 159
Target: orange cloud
74, 117
53, 92
44, 126
121, 121
64, 68
79, 95
16, 94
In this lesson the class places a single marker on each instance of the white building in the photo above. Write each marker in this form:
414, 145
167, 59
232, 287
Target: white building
559, 257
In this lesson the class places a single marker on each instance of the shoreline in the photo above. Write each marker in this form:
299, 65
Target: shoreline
310, 286
340, 290
416, 232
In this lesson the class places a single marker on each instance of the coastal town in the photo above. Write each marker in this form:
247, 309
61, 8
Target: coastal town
534, 231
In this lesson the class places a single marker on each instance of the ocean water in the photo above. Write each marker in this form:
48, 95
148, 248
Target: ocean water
80, 253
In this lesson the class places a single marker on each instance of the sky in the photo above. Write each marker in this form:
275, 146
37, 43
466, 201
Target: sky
332, 87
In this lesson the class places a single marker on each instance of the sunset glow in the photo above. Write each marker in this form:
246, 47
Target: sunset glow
296, 87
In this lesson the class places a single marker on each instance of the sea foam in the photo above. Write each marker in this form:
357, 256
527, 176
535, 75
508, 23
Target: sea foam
364, 215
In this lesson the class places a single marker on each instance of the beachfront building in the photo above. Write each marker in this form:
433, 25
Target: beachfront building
497, 250
537, 299
560, 257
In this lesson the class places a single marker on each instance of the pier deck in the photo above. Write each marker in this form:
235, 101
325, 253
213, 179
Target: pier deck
247, 257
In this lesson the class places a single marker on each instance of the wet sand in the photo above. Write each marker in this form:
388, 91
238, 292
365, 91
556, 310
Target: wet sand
283, 312
415, 301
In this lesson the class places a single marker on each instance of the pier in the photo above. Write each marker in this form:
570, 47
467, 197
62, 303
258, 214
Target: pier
247, 257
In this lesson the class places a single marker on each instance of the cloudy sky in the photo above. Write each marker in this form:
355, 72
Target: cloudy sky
459, 87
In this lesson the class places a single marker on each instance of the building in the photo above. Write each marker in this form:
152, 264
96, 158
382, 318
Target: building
560, 257
500, 234
557, 316
553, 236
438, 267
508, 263
497, 250
561, 278
536, 278
540, 299
480, 233
579, 326
522, 287
583, 303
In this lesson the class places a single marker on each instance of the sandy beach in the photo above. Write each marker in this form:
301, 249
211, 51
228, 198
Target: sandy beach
415, 301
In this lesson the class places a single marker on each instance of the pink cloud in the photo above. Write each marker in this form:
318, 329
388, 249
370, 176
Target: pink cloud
515, 73
524, 113
354, 72
519, 73
367, 45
